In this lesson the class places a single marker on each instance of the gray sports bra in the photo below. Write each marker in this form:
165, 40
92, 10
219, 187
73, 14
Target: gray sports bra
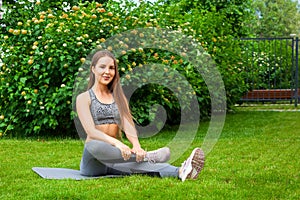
103, 113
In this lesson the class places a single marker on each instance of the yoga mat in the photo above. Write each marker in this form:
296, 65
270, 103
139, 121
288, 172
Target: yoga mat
64, 173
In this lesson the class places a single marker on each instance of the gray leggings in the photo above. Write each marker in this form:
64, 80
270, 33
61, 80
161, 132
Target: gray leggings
100, 158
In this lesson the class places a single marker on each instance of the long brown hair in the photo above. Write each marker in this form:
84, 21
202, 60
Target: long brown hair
114, 86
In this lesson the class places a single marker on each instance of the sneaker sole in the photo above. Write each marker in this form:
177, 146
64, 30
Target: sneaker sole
197, 163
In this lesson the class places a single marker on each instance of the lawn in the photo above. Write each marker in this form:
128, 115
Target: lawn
256, 157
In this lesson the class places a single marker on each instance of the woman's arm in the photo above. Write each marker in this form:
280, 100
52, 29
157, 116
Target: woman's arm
131, 134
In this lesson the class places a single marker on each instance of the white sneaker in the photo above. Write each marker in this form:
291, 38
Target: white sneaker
192, 166
158, 156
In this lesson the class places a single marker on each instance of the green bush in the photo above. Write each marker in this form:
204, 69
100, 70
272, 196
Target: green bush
45, 46
217, 25
43, 49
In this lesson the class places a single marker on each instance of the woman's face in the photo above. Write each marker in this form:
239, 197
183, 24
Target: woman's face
104, 70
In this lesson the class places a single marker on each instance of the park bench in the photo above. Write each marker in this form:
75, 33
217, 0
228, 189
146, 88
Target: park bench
270, 95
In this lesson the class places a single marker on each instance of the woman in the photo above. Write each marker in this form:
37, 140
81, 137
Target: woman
103, 112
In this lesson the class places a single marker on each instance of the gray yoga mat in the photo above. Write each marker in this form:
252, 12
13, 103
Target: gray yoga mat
64, 173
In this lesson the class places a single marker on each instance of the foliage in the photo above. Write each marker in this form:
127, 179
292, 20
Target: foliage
216, 25
45, 45
236, 13
276, 18
267, 64
43, 50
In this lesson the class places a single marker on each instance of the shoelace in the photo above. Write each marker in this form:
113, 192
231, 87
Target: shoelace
183, 165
151, 157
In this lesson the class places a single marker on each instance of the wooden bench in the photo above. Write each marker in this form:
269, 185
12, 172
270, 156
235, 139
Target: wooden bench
270, 95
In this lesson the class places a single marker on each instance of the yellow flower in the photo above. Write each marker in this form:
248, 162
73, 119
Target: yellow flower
165, 61
24, 31
30, 61
75, 8
102, 10
82, 60
16, 32
50, 16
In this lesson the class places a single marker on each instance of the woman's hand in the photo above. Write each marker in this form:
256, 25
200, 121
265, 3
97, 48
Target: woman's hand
139, 152
125, 150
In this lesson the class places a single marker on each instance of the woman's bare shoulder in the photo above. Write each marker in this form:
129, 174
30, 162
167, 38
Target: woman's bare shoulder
83, 96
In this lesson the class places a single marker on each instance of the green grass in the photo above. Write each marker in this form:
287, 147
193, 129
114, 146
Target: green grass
269, 106
256, 157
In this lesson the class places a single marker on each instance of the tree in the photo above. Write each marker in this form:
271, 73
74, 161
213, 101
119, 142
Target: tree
276, 18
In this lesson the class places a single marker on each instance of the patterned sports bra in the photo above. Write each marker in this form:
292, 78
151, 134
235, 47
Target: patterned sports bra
103, 113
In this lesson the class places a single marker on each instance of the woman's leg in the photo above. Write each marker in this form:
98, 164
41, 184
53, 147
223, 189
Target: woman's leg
107, 159
90, 166
160, 169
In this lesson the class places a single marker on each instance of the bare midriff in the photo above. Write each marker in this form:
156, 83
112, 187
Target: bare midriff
109, 129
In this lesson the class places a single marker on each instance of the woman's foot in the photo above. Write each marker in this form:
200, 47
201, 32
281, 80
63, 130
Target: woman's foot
158, 156
192, 166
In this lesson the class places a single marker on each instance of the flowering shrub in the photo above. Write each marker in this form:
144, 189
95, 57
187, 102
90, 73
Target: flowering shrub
45, 45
